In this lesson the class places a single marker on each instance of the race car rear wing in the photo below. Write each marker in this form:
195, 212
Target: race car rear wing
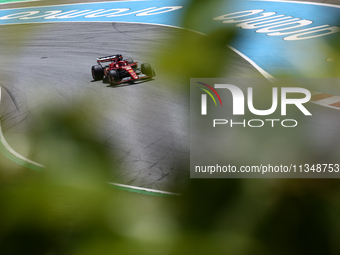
107, 58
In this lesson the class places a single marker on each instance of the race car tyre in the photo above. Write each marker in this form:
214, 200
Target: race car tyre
147, 70
113, 77
97, 72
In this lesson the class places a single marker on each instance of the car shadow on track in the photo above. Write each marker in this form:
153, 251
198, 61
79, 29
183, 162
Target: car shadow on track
131, 83
125, 84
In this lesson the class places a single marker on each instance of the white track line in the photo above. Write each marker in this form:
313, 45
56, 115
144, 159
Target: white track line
323, 102
282, 1
68, 4
144, 189
128, 187
9, 148
298, 2
19, 2
258, 68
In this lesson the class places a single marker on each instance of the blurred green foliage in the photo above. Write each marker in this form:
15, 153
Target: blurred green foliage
68, 210
196, 55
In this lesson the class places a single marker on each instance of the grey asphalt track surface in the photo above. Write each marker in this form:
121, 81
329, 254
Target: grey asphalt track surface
142, 124
145, 125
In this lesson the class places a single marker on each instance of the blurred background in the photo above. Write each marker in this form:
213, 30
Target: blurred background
75, 131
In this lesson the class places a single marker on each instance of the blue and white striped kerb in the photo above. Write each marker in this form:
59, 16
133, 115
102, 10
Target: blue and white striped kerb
278, 37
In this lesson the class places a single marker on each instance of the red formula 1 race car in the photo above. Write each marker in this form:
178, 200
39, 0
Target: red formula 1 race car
117, 70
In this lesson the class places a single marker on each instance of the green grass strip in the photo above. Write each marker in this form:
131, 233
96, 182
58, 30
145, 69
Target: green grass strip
14, 1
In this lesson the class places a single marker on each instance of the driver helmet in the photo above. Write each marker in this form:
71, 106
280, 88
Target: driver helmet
121, 63
119, 57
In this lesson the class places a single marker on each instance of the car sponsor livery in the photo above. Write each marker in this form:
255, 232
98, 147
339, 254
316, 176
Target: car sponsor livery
115, 70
